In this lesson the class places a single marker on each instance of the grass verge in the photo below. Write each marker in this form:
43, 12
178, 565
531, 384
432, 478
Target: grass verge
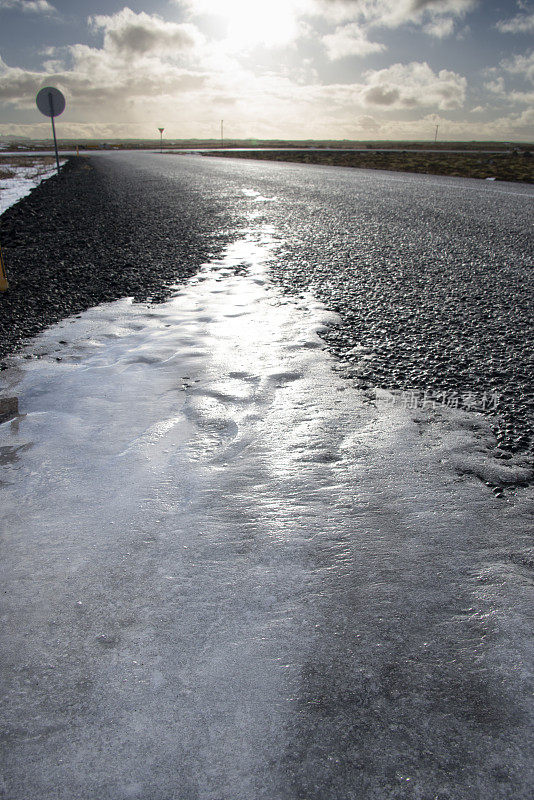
37, 164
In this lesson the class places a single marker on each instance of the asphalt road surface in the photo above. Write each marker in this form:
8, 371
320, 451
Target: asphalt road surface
226, 574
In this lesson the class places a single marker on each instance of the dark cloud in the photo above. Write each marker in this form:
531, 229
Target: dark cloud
138, 34
382, 96
18, 83
142, 39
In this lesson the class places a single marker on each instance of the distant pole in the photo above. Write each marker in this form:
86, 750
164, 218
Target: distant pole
161, 139
436, 135
222, 133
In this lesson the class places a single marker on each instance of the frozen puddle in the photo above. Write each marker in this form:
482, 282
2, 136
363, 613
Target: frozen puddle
228, 577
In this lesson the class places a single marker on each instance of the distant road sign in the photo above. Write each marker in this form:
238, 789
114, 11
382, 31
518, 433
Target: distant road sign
50, 102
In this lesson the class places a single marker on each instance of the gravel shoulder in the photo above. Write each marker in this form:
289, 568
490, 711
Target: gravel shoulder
75, 243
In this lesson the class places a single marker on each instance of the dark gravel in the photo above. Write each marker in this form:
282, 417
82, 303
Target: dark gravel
429, 333
93, 234
436, 293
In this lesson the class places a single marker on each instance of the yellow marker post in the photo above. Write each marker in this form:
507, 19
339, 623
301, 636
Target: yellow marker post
3, 279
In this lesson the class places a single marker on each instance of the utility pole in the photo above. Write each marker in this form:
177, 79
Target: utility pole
436, 136
222, 133
161, 139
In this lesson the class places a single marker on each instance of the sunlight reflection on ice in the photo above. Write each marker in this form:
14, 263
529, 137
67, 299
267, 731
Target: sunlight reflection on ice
243, 535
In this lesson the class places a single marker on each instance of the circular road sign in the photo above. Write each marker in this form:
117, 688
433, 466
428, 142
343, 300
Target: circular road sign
50, 102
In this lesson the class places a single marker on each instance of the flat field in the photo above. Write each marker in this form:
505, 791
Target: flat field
517, 165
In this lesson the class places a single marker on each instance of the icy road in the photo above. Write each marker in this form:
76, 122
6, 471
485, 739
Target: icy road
228, 574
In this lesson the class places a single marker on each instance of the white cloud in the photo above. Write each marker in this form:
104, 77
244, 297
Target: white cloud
522, 65
414, 85
147, 71
520, 98
510, 96
497, 86
519, 66
435, 15
349, 40
144, 61
441, 27
521, 23
28, 6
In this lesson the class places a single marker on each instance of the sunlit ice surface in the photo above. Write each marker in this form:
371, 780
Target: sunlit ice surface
228, 573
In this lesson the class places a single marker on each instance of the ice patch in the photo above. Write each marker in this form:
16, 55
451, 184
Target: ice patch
223, 566
256, 197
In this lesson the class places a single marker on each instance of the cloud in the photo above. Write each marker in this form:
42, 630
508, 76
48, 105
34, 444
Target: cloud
522, 65
519, 65
440, 27
368, 124
28, 6
143, 62
143, 71
497, 86
510, 96
280, 22
349, 40
414, 85
129, 33
436, 16
521, 23
16, 84
384, 96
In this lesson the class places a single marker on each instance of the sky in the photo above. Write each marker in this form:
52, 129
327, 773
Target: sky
291, 69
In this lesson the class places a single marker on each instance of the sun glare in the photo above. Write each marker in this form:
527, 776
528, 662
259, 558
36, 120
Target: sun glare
247, 23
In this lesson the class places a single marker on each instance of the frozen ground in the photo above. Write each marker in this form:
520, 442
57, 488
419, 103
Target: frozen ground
228, 575
24, 179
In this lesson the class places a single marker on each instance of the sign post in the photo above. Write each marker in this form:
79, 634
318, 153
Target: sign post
161, 139
51, 103
3, 278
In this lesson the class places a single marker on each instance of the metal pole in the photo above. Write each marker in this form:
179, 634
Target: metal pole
222, 134
436, 136
53, 127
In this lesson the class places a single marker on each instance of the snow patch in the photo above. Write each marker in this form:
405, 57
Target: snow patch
21, 184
